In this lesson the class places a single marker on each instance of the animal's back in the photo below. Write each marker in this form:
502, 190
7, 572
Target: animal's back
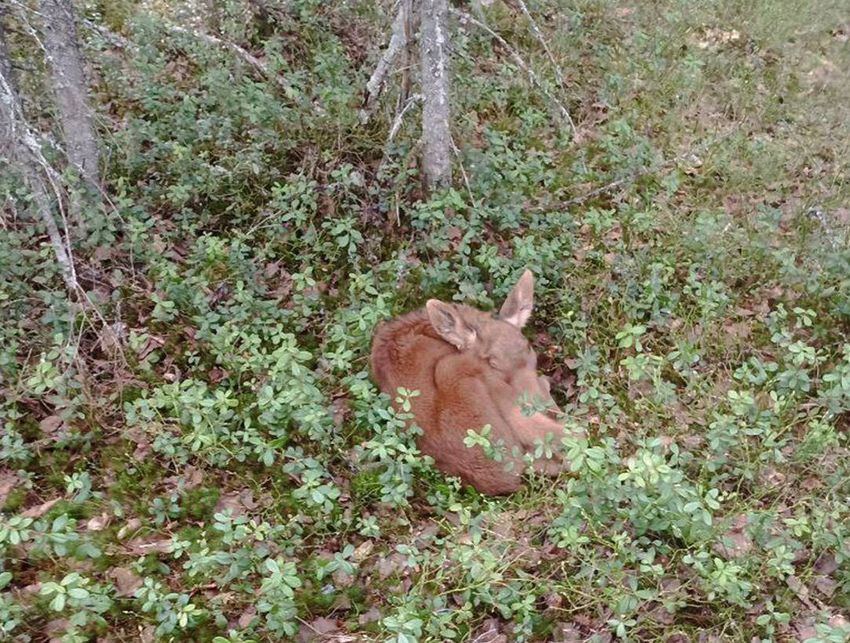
405, 352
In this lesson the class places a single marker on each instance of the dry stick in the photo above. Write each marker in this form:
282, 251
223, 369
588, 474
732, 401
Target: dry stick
609, 187
565, 114
398, 41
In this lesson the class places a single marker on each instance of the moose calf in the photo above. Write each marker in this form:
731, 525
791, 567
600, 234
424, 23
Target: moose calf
470, 369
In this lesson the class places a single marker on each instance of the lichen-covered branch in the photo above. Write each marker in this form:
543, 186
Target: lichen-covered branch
397, 44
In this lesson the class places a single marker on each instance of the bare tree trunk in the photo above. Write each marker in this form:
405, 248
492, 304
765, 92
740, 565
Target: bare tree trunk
436, 134
18, 144
66, 66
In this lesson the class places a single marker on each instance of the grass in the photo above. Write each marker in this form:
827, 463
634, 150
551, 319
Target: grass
232, 472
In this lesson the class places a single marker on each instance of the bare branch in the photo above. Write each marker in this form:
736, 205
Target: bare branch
398, 41
400, 116
535, 80
659, 165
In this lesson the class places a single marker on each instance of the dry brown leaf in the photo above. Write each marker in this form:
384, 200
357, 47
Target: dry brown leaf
320, 629
151, 344
825, 585
567, 633
489, 632
342, 578
132, 525
802, 592
363, 550
55, 628
99, 523
247, 617
191, 478
126, 582
370, 616
148, 634
736, 542
239, 502
389, 565
51, 424
826, 564
805, 629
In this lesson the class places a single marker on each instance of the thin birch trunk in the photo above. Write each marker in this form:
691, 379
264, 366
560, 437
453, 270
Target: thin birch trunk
436, 133
19, 145
71, 90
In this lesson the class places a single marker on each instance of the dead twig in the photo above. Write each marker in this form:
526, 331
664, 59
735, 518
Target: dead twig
464, 175
243, 53
399, 118
559, 74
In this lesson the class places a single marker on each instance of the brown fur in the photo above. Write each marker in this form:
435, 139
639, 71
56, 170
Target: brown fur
470, 369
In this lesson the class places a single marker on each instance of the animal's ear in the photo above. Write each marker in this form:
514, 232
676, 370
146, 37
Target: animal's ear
517, 307
448, 321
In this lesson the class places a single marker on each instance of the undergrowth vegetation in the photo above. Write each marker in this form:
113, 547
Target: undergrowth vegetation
211, 460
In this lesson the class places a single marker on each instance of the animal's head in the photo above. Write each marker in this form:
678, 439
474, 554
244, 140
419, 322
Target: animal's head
497, 341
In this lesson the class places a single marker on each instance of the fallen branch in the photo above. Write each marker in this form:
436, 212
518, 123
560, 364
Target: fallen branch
243, 53
535, 80
610, 187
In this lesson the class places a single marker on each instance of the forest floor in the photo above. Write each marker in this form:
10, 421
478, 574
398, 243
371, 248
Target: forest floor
215, 461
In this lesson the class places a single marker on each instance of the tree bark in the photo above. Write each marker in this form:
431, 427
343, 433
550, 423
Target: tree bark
69, 85
19, 145
436, 133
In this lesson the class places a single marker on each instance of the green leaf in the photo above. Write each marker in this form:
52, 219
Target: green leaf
58, 603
